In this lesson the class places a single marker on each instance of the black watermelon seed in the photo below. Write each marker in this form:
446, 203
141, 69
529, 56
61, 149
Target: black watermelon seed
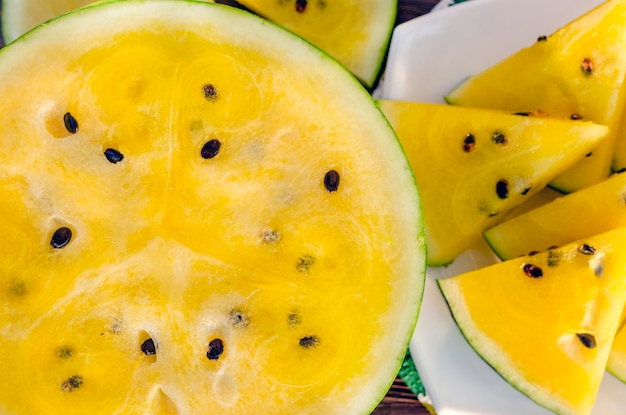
498, 138
589, 154
71, 125
64, 352
210, 92
210, 149
586, 249
72, 383
331, 181
542, 38
113, 155
525, 191
502, 189
533, 271
305, 263
469, 143
522, 114
532, 253
308, 342
588, 340
61, 237
576, 116
586, 65
148, 347
301, 5
238, 318
215, 349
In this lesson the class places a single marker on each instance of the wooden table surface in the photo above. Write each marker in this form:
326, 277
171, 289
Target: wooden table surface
399, 400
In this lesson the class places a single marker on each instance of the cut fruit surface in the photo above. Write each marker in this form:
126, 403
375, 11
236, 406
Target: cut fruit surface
207, 215
473, 165
587, 212
546, 322
355, 32
20, 16
577, 72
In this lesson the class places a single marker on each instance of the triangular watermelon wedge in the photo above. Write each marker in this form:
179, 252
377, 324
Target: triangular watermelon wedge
589, 211
546, 322
576, 72
474, 165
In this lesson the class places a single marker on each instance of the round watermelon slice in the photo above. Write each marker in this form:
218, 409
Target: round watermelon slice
204, 214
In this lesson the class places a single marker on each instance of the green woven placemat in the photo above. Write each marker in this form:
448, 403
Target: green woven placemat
409, 375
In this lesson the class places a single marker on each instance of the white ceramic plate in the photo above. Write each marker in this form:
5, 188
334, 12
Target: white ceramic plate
428, 57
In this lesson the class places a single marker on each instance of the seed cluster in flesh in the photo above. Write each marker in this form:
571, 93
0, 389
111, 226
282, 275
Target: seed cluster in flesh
215, 347
553, 255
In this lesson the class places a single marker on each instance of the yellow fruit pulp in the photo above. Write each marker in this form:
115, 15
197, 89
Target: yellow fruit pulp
474, 165
235, 199
546, 322
20, 16
587, 212
355, 32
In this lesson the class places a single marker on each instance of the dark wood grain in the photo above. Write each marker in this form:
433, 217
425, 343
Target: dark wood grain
399, 400
409, 9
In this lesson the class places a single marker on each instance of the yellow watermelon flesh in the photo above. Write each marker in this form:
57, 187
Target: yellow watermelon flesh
587, 212
546, 322
576, 72
355, 32
474, 165
206, 215
20, 16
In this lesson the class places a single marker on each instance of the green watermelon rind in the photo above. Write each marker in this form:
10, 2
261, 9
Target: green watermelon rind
383, 51
493, 246
395, 363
